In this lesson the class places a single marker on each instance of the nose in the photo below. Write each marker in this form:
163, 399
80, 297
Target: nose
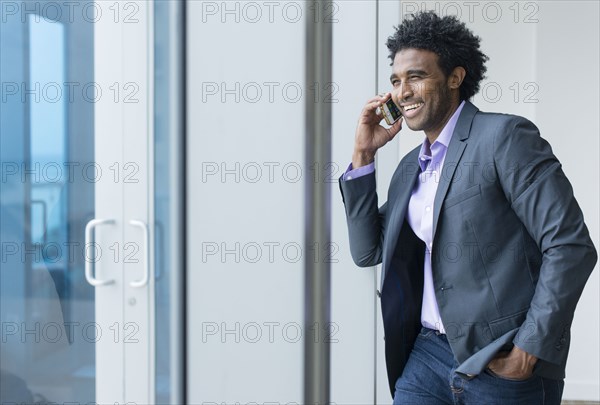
405, 91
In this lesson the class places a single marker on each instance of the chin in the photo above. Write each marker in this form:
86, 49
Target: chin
413, 126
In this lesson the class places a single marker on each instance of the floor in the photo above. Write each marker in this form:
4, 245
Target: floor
580, 403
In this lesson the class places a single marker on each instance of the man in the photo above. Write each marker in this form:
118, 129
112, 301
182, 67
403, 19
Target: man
483, 247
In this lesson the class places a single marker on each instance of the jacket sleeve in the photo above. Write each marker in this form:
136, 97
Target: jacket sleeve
365, 221
542, 197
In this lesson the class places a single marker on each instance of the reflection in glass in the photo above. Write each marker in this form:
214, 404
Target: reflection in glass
47, 308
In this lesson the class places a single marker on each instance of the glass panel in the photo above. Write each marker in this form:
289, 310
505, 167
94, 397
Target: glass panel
47, 352
161, 199
47, 128
167, 202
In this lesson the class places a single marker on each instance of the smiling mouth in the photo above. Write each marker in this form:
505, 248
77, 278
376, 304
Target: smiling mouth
412, 106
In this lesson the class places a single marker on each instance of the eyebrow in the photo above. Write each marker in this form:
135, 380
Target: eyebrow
410, 72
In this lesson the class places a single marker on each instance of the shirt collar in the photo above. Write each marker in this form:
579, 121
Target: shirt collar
443, 138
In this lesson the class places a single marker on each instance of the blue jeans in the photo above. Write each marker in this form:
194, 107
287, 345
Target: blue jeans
429, 378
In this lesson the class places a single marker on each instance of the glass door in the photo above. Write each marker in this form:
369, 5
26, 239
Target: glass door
48, 191
76, 268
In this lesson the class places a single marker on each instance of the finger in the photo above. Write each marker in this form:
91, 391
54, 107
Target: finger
371, 107
375, 99
380, 97
394, 128
493, 364
397, 126
393, 131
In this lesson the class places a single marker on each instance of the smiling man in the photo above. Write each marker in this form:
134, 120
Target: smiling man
483, 246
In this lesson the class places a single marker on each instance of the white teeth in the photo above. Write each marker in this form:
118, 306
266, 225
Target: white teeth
412, 107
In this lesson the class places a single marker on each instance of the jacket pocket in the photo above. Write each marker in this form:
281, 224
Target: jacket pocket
471, 192
502, 325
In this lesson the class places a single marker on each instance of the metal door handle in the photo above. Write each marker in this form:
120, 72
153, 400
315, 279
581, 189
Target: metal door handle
144, 281
90, 264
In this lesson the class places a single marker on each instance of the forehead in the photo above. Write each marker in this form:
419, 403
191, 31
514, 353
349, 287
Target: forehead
415, 59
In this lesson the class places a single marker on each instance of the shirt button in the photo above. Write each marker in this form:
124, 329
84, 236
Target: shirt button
349, 178
430, 245
428, 208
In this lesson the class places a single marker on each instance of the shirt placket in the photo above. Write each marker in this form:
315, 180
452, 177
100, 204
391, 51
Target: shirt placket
432, 174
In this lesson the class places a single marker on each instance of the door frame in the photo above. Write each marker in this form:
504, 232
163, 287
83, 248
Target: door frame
123, 63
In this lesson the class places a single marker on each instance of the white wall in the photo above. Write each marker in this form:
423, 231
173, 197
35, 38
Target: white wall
244, 308
568, 45
353, 289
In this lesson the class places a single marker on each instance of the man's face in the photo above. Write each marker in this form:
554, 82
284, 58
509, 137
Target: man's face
422, 91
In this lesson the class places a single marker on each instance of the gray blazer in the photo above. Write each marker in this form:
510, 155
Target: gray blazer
511, 252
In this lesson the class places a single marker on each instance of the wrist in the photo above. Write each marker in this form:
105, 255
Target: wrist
362, 158
527, 359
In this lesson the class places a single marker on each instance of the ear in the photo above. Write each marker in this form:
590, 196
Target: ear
456, 77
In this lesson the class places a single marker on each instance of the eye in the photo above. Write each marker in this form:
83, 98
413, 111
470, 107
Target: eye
395, 82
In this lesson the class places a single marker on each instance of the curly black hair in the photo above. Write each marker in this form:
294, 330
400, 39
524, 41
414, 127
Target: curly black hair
448, 38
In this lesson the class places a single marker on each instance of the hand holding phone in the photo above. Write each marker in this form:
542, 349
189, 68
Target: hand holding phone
370, 133
390, 111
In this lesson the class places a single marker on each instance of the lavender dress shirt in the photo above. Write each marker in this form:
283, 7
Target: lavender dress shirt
420, 209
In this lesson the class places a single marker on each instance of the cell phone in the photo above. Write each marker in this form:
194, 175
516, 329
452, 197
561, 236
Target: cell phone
391, 112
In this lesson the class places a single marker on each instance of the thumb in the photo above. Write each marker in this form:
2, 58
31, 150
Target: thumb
395, 128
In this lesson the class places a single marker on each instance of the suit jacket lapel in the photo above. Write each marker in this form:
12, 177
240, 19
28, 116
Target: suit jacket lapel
453, 154
408, 174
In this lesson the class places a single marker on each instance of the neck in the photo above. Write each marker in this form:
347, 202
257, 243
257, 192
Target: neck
432, 134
